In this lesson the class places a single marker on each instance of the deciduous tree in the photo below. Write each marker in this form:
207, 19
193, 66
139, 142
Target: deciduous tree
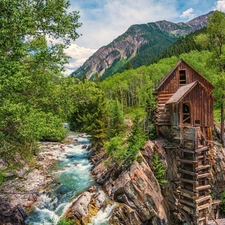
215, 40
33, 36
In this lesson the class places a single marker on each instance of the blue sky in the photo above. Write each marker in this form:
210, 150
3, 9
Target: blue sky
104, 20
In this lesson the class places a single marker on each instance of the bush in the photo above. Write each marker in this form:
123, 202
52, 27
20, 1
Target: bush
115, 148
65, 222
222, 204
158, 169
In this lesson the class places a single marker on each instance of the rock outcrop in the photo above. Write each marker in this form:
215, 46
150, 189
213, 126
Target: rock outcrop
11, 215
139, 197
135, 191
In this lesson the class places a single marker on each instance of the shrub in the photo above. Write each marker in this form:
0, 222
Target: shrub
158, 169
222, 204
65, 222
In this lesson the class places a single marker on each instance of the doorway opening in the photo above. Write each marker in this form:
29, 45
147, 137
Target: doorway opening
186, 111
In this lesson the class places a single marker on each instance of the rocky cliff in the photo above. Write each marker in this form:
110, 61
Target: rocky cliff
139, 43
135, 192
134, 195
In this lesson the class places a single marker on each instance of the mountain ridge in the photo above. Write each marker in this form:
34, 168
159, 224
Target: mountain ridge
138, 45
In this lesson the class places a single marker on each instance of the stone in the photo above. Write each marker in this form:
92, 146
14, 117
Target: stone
12, 215
80, 206
135, 189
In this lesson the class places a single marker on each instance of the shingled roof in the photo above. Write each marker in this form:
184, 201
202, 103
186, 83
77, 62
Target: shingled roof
184, 90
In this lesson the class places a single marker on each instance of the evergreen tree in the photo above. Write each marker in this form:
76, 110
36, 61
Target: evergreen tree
136, 140
90, 113
158, 169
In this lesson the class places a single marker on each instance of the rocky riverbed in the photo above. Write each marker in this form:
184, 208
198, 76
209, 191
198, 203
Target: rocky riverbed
138, 196
18, 196
120, 196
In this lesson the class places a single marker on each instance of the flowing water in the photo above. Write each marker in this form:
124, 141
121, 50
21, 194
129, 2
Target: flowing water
71, 176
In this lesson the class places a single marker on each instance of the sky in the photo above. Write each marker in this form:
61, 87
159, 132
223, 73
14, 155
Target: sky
104, 20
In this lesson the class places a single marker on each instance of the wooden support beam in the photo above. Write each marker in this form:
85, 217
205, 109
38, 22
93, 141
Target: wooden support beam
204, 175
202, 157
202, 199
189, 191
189, 203
187, 209
187, 172
189, 194
187, 151
199, 150
205, 206
202, 167
188, 181
200, 188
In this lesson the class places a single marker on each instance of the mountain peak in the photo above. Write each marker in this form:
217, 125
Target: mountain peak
140, 43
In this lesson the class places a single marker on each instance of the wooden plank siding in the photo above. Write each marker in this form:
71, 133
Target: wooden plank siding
162, 112
201, 107
197, 92
184, 116
171, 82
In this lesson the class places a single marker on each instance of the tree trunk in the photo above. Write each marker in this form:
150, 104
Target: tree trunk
222, 124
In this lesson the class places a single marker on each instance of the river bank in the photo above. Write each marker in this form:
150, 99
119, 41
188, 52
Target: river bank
26, 189
61, 185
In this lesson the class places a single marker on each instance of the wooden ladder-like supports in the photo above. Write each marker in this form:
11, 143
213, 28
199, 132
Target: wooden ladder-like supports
194, 170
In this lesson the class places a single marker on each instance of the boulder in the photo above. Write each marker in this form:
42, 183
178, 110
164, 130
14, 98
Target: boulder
80, 206
11, 215
86, 205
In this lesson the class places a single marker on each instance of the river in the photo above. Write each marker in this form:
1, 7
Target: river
71, 176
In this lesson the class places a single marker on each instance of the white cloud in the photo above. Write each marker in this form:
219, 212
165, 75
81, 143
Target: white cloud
111, 18
220, 5
78, 56
104, 20
188, 14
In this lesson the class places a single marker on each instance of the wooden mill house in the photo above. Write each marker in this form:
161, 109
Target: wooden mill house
185, 116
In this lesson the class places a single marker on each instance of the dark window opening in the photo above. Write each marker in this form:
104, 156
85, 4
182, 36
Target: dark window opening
186, 113
197, 121
182, 76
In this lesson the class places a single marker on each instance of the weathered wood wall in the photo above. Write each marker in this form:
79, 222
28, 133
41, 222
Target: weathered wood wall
201, 107
172, 81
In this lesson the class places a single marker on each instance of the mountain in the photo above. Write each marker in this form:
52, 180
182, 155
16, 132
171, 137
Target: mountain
137, 46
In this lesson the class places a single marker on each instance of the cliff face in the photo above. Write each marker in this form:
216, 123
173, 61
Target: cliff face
139, 43
134, 195
135, 190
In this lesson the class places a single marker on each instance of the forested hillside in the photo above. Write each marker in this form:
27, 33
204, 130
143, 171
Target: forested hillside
118, 113
36, 99
137, 46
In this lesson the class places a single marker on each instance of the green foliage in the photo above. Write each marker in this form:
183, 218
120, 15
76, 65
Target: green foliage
215, 39
116, 148
184, 44
2, 175
65, 222
90, 114
158, 169
116, 123
136, 140
35, 98
124, 149
222, 204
